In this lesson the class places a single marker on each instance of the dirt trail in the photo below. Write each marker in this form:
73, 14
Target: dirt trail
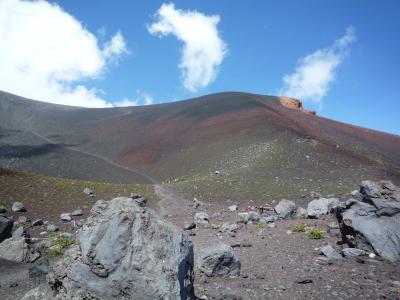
169, 201
109, 161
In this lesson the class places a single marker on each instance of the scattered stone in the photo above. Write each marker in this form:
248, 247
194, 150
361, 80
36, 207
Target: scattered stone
285, 208
201, 218
253, 216
233, 208
37, 222
115, 257
40, 268
219, 261
322, 206
235, 244
189, 225
66, 217
77, 213
196, 203
270, 219
304, 281
22, 219
353, 252
18, 207
333, 225
271, 225
301, 213
330, 253
263, 232
246, 244
6, 226
88, 191
43, 233
52, 228
373, 223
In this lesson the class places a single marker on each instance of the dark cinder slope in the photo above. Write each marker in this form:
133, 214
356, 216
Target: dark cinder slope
261, 148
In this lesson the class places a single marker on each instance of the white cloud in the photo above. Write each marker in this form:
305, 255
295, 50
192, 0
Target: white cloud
142, 98
314, 72
126, 102
45, 53
148, 99
203, 49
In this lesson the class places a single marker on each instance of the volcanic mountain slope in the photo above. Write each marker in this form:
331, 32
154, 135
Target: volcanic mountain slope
261, 148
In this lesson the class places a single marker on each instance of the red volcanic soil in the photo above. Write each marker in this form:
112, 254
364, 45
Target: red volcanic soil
147, 137
200, 125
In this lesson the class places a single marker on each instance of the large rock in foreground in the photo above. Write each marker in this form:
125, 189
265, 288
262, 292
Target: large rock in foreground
6, 226
126, 252
373, 224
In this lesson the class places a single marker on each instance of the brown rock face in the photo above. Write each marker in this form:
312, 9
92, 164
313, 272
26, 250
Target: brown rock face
295, 104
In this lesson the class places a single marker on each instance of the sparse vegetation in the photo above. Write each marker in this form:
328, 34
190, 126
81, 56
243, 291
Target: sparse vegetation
261, 226
316, 233
61, 241
299, 228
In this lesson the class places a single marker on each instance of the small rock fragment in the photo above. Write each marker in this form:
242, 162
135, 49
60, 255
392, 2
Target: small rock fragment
66, 217
18, 207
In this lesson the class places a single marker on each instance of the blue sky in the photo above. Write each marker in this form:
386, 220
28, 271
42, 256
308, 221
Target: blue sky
254, 46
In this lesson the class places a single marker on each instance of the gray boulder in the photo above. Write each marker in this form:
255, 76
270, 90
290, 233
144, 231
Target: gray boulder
330, 253
37, 222
66, 217
353, 252
88, 191
285, 208
269, 219
22, 219
52, 228
233, 208
189, 225
18, 207
301, 213
14, 249
322, 206
219, 261
77, 213
201, 217
373, 223
125, 252
6, 226
253, 216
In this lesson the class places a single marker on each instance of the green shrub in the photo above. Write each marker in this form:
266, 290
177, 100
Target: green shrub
60, 243
316, 233
56, 250
299, 228
261, 226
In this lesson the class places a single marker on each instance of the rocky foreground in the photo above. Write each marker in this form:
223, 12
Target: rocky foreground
330, 249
